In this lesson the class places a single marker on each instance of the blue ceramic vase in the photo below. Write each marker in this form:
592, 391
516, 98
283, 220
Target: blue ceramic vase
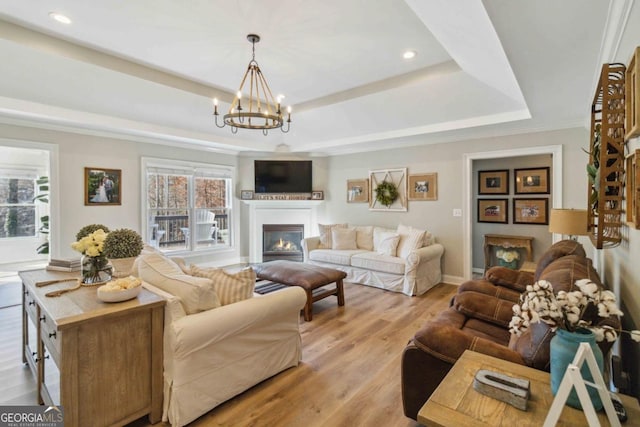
564, 346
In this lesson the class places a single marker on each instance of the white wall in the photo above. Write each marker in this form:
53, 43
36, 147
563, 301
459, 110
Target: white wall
75, 152
446, 160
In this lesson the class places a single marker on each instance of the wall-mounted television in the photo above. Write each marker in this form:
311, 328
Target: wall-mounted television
283, 176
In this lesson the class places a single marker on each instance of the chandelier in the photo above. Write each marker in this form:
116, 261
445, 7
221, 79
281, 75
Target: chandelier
261, 110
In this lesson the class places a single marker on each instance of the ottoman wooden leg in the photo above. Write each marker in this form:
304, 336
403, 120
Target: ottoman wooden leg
308, 307
340, 290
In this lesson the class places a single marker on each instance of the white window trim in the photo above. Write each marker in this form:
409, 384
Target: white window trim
195, 169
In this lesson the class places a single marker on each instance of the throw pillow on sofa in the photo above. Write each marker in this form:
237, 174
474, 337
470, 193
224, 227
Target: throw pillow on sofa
325, 234
343, 238
388, 243
195, 293
364, 237
230, 287
410, 239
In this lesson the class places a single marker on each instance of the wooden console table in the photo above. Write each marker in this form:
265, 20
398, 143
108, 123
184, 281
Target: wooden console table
506, 241
101, 361
455, 402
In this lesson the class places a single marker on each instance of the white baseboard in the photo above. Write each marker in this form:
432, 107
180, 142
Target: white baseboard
453, 280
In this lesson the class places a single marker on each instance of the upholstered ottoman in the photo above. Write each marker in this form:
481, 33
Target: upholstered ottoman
307, 276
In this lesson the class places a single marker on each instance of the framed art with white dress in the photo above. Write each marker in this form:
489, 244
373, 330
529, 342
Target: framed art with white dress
102, 186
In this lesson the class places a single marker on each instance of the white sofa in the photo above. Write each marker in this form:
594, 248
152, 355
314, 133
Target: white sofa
213, 355
411, 267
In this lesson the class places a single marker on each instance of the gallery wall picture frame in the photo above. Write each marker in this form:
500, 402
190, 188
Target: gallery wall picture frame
632, 176
493, 210
317, 195
102, 187
398, 178
423, 186
493, 182
632, 96
357, 190
531, 211
532, 180
246, 195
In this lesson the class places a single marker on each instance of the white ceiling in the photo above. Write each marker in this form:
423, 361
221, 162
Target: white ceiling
147, 69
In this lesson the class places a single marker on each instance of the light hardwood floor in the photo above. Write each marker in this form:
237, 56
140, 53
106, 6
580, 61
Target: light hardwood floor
349, 374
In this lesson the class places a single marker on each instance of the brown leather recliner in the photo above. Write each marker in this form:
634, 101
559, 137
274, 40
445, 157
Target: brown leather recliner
478, 320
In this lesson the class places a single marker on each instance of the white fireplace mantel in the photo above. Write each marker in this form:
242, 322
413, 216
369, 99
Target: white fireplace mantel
279, 212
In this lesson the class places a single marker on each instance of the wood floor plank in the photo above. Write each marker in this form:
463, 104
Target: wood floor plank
349, 374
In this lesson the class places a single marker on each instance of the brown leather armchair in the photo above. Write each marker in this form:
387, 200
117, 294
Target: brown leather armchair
478, 320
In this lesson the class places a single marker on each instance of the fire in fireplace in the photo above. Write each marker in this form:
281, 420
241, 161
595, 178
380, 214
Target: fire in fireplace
282, 241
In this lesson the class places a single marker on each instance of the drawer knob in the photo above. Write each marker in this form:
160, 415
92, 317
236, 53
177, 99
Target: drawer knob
32, 303
43, 318
52, 334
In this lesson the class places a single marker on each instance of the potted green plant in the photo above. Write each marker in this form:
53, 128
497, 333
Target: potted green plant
122, 247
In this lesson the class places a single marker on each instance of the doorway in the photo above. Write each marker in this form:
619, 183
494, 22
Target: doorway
468, 159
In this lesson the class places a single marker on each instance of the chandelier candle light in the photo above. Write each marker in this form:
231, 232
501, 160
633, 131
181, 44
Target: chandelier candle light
264, 111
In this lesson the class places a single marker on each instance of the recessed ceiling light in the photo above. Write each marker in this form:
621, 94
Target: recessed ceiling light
63, 19
409, 54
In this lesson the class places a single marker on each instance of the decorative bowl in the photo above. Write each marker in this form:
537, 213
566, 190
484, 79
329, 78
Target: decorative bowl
120, 290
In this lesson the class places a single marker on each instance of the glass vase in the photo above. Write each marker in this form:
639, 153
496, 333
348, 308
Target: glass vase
95, 270
564, 346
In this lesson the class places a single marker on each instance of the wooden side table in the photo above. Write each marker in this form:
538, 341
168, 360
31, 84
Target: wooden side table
456, 403
506, 241
101, 361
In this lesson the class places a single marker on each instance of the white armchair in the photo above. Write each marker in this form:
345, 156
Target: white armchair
211, 356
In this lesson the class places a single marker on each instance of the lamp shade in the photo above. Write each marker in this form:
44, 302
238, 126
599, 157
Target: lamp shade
572, 222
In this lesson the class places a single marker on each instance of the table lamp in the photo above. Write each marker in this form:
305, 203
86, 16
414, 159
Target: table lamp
571, 222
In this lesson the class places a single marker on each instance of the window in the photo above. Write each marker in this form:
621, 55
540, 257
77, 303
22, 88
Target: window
17, 208
188, 206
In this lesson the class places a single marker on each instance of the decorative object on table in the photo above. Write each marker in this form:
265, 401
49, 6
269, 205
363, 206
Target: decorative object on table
260, 106
632, 96
122, 247
95, 268
573, 379
246, 194
493, 210
493, 182
508, 258
122, 289
357, 190
423, 186
102, 187
531, 211
564, 346
60, 264
88, 229
388, 190
566, 313
569, 222
514, 391
317, 195
532, 180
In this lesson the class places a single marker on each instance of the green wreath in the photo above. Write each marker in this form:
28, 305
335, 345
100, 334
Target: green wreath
386, 193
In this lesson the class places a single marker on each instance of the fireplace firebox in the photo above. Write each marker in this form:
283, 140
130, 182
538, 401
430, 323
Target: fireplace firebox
282, 241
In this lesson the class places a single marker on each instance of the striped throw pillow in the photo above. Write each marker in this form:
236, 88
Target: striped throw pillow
230, 287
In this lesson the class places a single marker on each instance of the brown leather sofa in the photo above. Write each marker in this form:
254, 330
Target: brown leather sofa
478, 319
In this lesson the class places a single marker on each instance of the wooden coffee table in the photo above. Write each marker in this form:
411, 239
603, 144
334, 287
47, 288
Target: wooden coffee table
311, 278
456, 403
